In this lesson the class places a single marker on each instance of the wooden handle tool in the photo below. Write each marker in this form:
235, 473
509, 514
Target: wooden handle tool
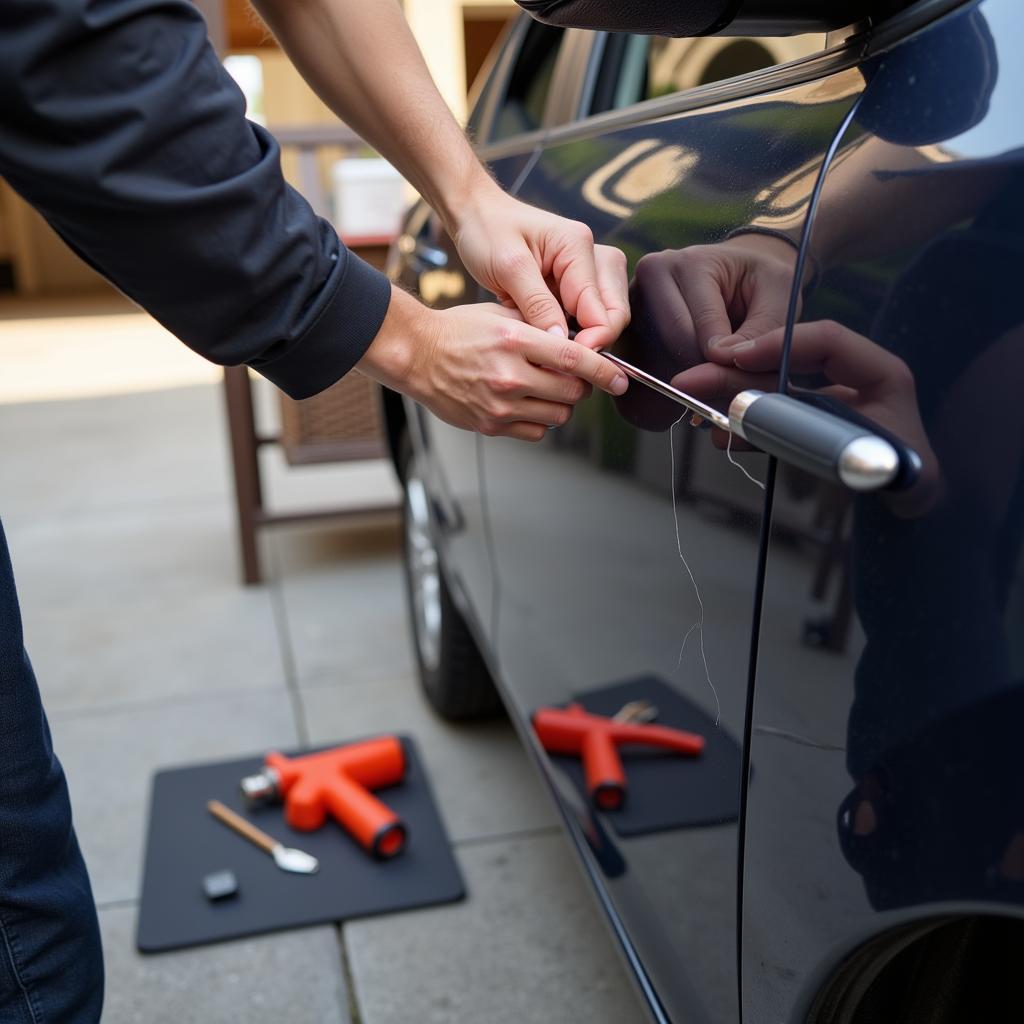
285, 857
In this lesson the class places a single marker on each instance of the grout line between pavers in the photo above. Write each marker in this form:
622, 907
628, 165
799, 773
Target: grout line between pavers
279, 610
355, 1014
101, 710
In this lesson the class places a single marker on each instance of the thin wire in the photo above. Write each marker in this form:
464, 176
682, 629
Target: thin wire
699, 624
742, 469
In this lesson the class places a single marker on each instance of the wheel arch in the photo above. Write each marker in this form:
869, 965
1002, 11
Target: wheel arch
936, 968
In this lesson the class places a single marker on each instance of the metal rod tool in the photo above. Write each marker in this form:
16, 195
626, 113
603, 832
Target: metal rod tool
839, 446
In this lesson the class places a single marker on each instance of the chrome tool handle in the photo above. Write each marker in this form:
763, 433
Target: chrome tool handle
847, 450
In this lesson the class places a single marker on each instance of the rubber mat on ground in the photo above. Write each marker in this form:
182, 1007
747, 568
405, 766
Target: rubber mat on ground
185, 843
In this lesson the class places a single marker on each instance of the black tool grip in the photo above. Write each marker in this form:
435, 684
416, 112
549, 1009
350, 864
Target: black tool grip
837, 448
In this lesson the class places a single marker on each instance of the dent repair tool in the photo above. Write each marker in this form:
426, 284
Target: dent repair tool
596, 739
826, 438
337, 782
286, 858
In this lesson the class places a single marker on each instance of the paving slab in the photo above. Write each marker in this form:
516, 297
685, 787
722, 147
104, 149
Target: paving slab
110, 757
345, 605
274, 979
141, 604
481, 776
528, 948
94, 455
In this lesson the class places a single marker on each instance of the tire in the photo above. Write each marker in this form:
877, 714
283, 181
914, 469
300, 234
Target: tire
452, 673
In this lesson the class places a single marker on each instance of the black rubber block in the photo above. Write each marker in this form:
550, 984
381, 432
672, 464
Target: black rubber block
185, 843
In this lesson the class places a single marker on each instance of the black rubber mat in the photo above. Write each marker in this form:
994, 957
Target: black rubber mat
186, 843
666, 791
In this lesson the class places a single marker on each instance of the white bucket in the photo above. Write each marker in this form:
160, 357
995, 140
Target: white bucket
369, 197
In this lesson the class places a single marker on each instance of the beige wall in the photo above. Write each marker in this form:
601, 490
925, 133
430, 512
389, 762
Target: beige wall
43, 264
437, 25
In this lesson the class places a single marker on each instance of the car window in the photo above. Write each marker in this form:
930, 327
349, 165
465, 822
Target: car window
522, 109
638, 68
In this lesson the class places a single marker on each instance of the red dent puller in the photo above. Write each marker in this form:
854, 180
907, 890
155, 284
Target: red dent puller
596, 739
338, 782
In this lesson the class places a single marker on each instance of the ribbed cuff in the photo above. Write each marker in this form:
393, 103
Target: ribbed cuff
338, 337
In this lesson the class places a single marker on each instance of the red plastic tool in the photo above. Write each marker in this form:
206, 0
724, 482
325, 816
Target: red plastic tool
574, 730
338, 782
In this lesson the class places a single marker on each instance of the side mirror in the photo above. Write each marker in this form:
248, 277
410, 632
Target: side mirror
705, 17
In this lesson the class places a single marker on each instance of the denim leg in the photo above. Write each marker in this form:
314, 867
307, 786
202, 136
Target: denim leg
51, 962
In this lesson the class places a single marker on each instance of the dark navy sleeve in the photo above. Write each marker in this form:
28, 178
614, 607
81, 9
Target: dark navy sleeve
119, 124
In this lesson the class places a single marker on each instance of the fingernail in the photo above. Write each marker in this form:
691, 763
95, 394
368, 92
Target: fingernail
696, 420
619, 385
712, 342
741, 346
556, 330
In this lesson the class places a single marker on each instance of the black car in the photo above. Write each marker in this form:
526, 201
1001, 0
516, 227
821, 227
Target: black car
849, 845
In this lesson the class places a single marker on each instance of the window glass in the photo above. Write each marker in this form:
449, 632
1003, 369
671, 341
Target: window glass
644, 67
522, 110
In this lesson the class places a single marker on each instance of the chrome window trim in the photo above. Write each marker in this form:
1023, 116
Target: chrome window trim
848, 52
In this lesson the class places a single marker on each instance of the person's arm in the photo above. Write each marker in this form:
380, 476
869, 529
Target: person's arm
118, 123
362, 60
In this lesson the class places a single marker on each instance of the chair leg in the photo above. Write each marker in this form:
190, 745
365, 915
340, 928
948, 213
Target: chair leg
245, 465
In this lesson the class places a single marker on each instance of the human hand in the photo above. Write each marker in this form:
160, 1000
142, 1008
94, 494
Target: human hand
543, 264
480, 367
864, 376
702, 291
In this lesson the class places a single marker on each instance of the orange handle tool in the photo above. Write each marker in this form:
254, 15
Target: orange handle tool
596, 739
602, 768
338, 782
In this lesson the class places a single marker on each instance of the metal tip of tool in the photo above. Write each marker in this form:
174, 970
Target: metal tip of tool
287, 858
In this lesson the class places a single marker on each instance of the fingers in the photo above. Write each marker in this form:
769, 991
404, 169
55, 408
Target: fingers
574, 267
525, 432
713, 383
553, 387
521, 279
760, 322
570, 357
533, 410
823, 346
613, 285
699, 276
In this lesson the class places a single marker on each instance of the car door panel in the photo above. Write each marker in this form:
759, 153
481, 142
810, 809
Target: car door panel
590, 586
431, 266
886, 787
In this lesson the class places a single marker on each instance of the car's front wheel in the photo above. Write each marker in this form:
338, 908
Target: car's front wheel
452, 672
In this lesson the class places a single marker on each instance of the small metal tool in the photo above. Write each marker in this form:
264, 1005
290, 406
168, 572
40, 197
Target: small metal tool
285, 857
833, 443
687, 401
636, 711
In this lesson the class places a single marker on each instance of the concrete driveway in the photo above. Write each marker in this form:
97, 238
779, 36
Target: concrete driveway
148, 651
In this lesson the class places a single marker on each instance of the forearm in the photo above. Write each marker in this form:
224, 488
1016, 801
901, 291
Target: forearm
362, 60
119, 124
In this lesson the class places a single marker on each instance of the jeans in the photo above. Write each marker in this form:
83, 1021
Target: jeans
51, 962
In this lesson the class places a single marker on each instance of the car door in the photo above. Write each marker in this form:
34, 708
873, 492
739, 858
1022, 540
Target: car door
508, 119
625, 548
882, 861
